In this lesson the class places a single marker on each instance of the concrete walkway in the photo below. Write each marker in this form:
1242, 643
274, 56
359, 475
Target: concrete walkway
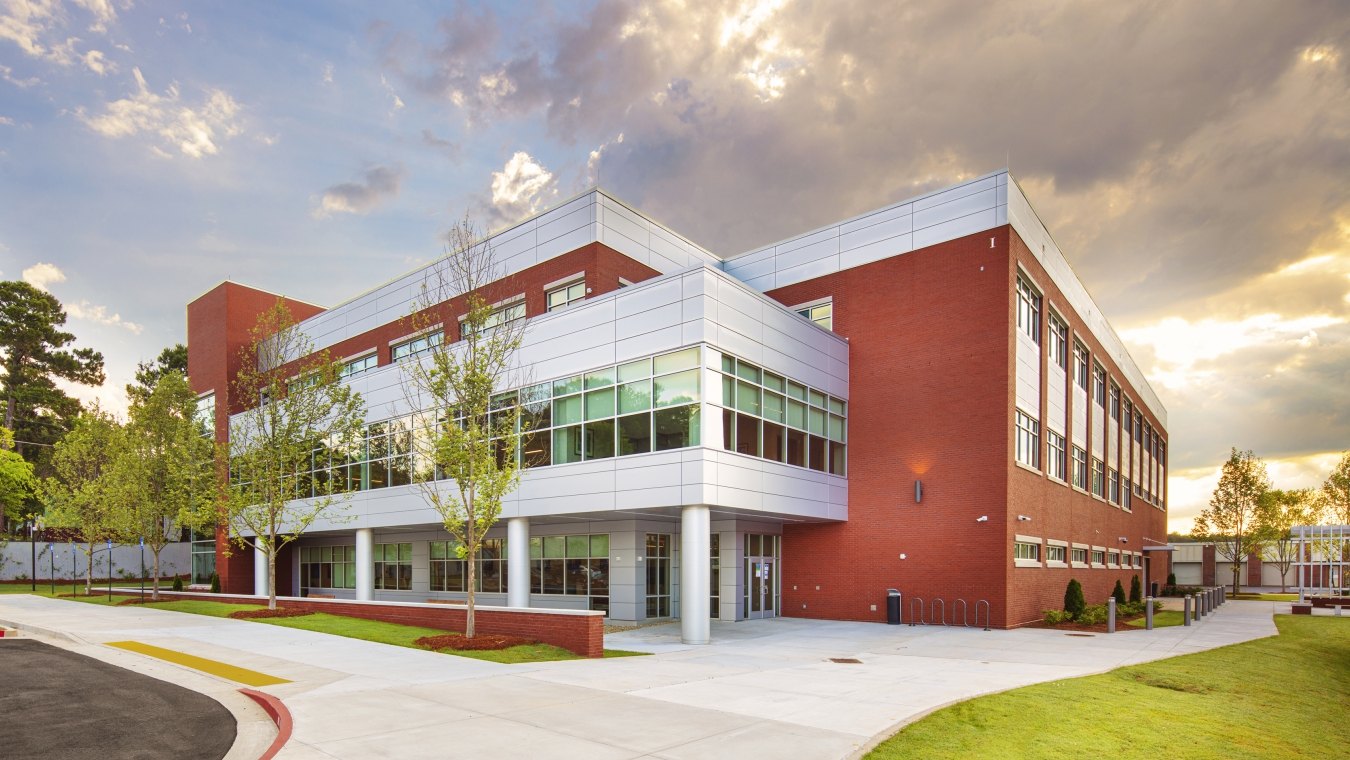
764, 688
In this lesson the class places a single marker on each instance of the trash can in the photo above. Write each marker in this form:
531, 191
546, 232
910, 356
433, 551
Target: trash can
1153, 587
893, 606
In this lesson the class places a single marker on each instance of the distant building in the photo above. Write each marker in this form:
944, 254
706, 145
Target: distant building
924, 398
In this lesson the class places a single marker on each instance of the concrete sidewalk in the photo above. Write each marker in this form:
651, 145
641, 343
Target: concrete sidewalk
767, 687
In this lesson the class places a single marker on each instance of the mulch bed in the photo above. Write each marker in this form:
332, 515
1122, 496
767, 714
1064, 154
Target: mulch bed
480, 641
1096, 628
280, 612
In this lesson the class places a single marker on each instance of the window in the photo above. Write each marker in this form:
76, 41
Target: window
1129, 415
1125, 494
821, 313
1080, 468
658, 575
449, 571
1028, 310
1059, 341
1099, 385
1024, 550
1115, 402
1113, 485
1055, 553
571, 566
1028, 439
1099, 557
205, 415
715, 575
1080, 365
1113, 559
1098, 478
304, 381
1079, 556
393, 567
357, 366
566, 295
327, 567
769, 416
417, 345
500, 316
1057, 455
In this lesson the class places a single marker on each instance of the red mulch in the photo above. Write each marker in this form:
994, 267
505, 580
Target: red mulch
280, 612
1097, 628
480, 641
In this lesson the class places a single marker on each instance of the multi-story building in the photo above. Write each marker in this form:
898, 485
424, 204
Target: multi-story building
922, 398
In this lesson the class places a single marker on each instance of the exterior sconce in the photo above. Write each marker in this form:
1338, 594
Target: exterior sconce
982, 518
1023, 518
1124, 540
918, 491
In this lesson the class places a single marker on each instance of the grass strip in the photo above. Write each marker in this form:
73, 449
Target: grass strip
1278, 697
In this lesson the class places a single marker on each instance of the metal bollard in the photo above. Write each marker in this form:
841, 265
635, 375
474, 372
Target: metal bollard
1148, 613
1201, 604
1186, 610
1111, 614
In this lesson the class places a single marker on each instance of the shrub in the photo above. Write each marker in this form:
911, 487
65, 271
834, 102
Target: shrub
1073, 599
1171, 588
1119, 593
1055, 617
1094, 615
177, 583
215, 583
1136, 590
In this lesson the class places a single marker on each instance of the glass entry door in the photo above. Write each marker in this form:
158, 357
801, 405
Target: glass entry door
761, 576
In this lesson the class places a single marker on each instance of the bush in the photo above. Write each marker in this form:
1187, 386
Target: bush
1119, 593
1055, 617
215, 583
177, 583
1094, 615
1136, 590
1170, 589
1074, 603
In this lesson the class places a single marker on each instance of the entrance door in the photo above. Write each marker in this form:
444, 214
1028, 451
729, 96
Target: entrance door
761, 577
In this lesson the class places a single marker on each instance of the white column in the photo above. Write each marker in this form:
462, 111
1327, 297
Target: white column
695, 574
518, 562
365, 564
259, 569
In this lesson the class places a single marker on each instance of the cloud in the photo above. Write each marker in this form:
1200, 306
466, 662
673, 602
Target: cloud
98, 63
35, 26
328, 73
95, 313
193, 131
7, 74
381, 183
6, 121
103, 13
41, 275
521, 188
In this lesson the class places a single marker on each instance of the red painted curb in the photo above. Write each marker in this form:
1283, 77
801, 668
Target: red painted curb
280, 716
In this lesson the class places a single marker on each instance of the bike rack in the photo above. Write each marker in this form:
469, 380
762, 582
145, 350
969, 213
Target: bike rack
933, 611
986, 614
965, 613
915, 618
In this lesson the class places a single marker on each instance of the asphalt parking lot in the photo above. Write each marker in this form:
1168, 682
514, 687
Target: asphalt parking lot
59, 704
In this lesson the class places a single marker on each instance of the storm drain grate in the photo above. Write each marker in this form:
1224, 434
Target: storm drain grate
1083, 635
846, 660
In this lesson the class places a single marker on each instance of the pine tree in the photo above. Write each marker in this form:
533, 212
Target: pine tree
1074, 603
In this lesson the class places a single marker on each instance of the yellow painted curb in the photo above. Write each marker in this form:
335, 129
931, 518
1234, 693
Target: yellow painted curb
215, 668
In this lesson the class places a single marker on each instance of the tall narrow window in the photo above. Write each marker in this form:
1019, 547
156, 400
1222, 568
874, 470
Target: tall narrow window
1059, 342
1080, 365
1098, 478
1028, 310
1057, 455
1115, 402
1080, 468
1028, 439
1099, 385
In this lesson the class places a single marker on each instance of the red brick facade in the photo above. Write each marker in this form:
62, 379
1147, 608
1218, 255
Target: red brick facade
931, 356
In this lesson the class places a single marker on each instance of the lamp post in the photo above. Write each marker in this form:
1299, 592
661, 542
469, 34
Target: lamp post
73, 571
142, 569
110, 563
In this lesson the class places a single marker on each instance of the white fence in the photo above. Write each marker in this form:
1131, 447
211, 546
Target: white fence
62, 561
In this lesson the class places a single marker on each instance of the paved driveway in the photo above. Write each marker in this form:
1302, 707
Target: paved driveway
55, 703
764, 688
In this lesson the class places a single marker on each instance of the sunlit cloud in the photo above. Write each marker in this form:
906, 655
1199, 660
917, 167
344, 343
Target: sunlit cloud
43, 275
193, 131
380, 184
522, 187
101, 315
1189, 491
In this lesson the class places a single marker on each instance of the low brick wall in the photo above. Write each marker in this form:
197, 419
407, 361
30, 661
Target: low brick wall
578, 631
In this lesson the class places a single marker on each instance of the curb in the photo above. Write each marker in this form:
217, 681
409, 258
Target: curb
42, 631
280, 716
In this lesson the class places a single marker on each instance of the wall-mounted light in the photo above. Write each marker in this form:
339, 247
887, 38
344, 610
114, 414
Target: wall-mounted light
918, 491
982, 518
1023, 518
1124, 540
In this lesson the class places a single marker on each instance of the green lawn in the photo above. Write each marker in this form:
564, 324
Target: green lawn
1161, 619
1281, 697
44, 588
378, 631
1264, 597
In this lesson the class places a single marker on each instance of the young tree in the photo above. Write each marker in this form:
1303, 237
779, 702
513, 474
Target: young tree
78, 495
1231, 518
1276, 515
163, 476
172, 359
16, 476
1136, 590
295, 405
467, 448
1336, 492
1074, 603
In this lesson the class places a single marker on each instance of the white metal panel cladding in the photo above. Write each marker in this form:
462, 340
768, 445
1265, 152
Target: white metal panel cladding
1080, 402
1028, 375
1055, 407
1098, 432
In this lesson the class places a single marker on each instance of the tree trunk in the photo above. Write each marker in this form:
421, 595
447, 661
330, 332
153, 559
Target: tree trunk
272, 576
470, 558
89, 570
154, 583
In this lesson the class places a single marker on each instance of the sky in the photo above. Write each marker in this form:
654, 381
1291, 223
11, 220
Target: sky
1191, 159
